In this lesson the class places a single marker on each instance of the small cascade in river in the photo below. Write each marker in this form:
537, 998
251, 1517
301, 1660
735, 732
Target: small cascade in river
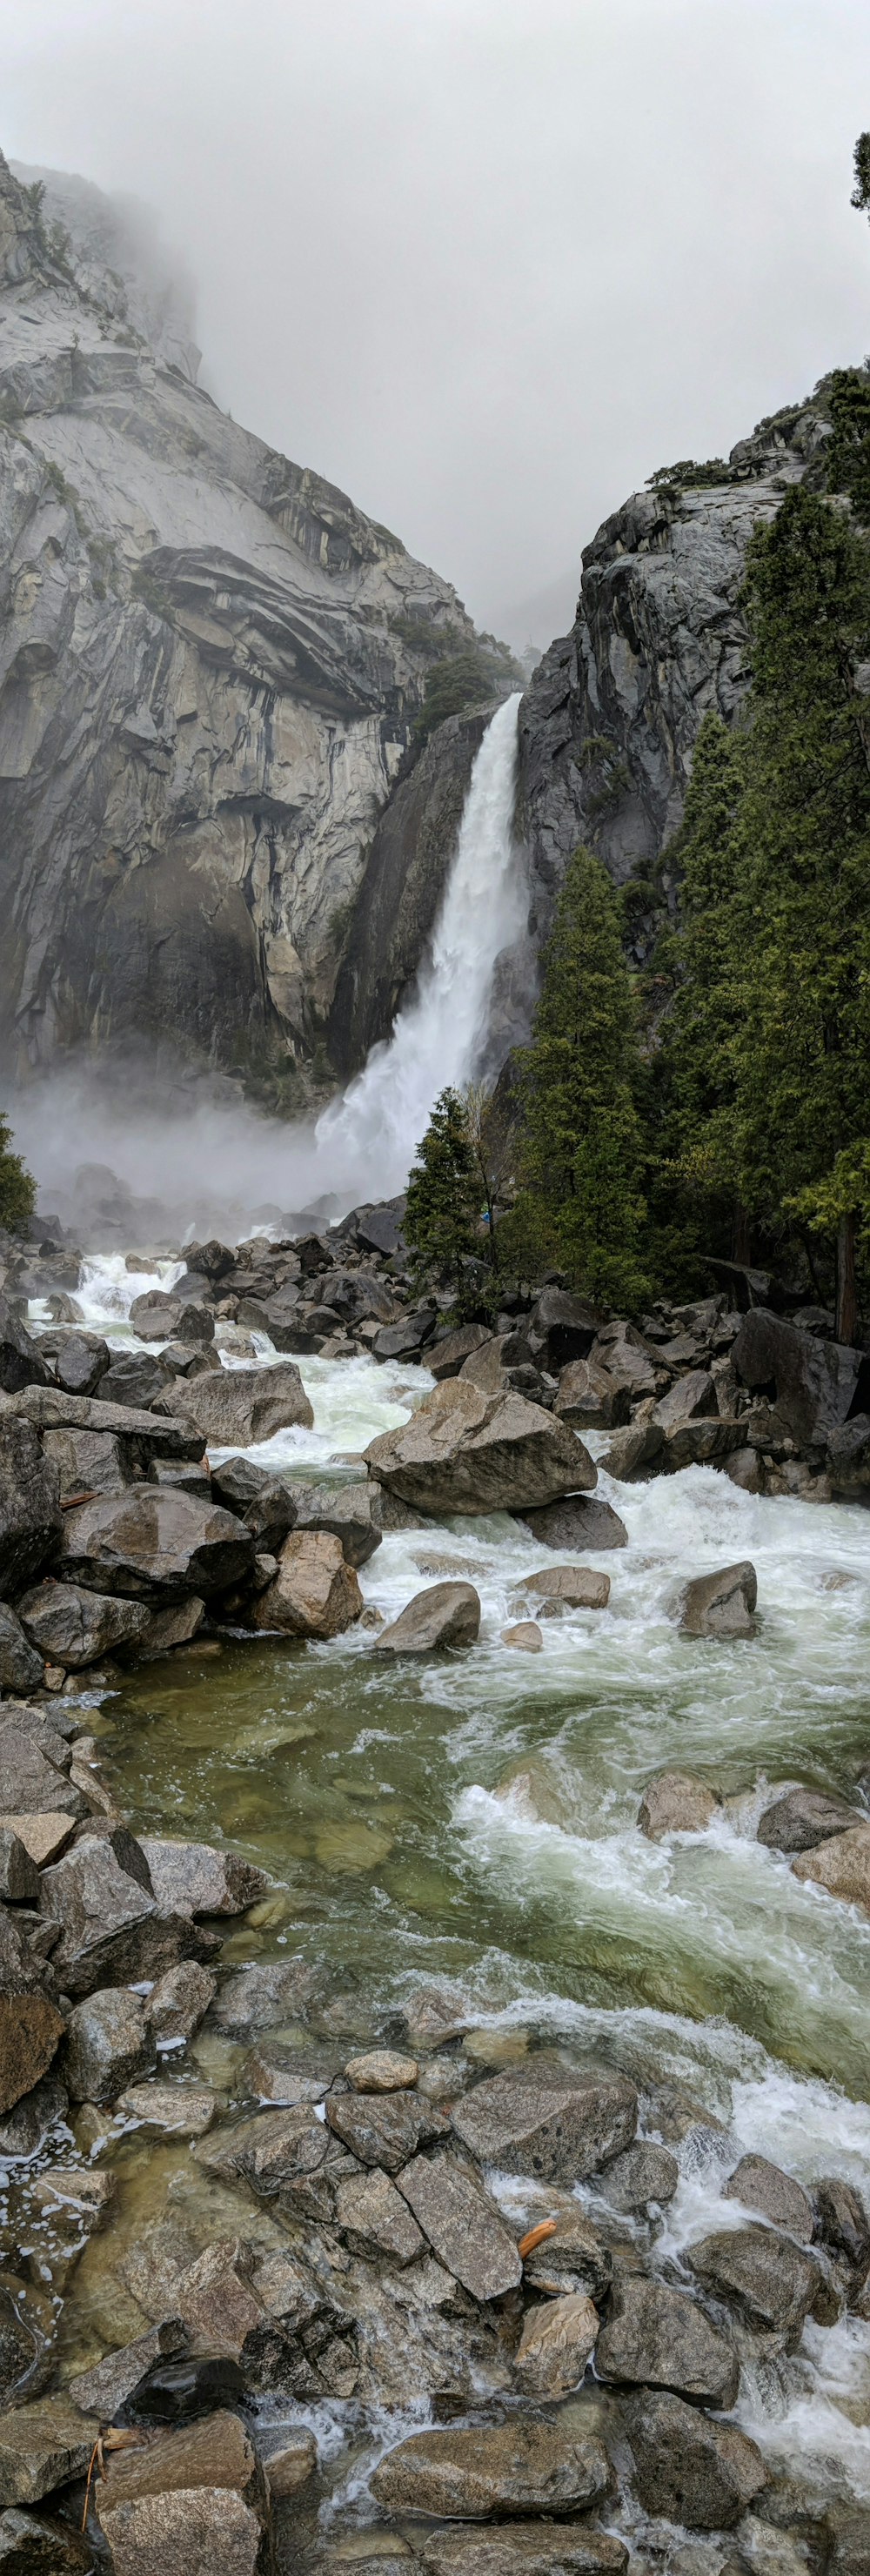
366, 1141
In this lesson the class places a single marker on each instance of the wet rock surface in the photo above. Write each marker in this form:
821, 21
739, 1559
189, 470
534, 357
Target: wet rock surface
521, 2466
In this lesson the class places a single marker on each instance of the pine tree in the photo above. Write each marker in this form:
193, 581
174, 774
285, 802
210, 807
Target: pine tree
17, 1189
440, 1223
691, 1094
581, 1208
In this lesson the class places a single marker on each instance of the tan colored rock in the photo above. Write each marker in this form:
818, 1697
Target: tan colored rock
675, 1804
446, 1614
721, 1604
169, 2110
556, 2342
192, 2498
315, 1593
44, 1837
463, 1451
466, 2473
525, 1636
41, 2446
31, 2029
841, 1865
290, 2465
464, 2227
381, 2070
568, 1587
374, 2219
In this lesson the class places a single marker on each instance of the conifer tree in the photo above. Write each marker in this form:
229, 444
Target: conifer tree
17, 1189
581, 1208
440, 1223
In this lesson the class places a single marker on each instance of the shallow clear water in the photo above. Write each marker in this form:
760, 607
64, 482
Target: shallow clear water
476, 1819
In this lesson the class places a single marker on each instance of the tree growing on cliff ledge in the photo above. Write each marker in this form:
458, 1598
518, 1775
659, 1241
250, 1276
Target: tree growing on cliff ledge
441, 1218
17, 1189
581, 1208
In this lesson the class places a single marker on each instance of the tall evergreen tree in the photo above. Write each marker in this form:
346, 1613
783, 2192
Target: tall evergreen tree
581, 1208
440, 1223
17, 1188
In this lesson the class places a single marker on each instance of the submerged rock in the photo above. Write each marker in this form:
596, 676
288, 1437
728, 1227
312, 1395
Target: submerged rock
675, 1804
580, 1521
568, 1587
523, 2549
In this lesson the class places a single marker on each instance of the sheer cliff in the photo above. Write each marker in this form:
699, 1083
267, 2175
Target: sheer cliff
210, 672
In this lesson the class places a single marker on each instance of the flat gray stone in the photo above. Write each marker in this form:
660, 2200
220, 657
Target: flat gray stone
689, 2469
466, 2474
372, 2217
655, 2337
559, 2128
463, 2227
385, 2128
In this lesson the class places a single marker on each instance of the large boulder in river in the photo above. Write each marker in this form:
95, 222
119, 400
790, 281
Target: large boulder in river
465, 2473
721, 1604
848, 1458
447, 1614
75, 1627
842, 1865
690, 2470
803, 1818
656, 2337
154, 1542
771, 2282
268, 1507
20, 1665
579, 1521
463, 1451
235, 1407
315, 1592
30, 1514
816, 1385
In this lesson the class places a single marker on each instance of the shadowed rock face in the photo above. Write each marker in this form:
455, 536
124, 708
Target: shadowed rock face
211, 667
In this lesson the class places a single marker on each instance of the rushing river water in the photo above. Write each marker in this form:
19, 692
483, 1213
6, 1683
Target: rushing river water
475, 1820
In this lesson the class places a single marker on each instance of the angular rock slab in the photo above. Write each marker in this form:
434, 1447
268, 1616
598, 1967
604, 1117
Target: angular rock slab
41, 2446
523, 2549
109, 2045
75, 1627
194, 2498
372, 2217
20, 1665
154, 1543
771, 2281
30, 1513
446, 1614
235, 1408
557, 2341
463, 1451
198, 1878
689, 2469
467, 2474
802, 1819
721, 1604
659, 2338
386, 2128
463, 2227
760, 2185
557, 2128
31, 2029
33, 1780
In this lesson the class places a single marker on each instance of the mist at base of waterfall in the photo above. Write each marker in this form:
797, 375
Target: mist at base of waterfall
120, 1160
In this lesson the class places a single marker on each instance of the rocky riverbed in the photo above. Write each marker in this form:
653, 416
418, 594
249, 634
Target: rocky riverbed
435, 1940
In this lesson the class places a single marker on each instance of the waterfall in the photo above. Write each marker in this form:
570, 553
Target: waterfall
366, 1141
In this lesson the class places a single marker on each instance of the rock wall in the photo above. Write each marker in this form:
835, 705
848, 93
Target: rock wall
608, 724
404, 880
210, 668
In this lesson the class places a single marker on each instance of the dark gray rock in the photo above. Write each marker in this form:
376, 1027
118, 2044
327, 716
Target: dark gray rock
19, 1876
720, 1604
464, 2228
644, 2173
764, 2275
406, 1340
154, 1545
75, 1627
105, 2389
813, 1384
32, 2546
573, 2259
346, 1510
448, 1354
110, 1926
803, 1818
20, 1665
405, 875
557, 2126
379, 1229
579, 1521
385, 2128
30, 1516
89, 1462
780, 2199
690, 2470
589, 1400
136, 1378
847, 1458
21, 1363
80, 1360
35, 1782
109, 2045
49, 1408
561, 1328
372, 2217
176, 2004
690, 1395
467, 2474
268, 1507
843, 2223
655, 2337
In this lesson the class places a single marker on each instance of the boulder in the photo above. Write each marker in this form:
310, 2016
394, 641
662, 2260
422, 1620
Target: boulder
381, 2070
556, 2126
815, 1384
284, 1321
407, 1339
847, 1458
240, 1406
523, 2549
73, 1627
315, 1593
449, 1352
632, 1453
675, 1804
274, 1990
195, 2497
152, 1544
561, 1328
80, 1360
31, 2545
47, 1408
110, 1924
645, 2172
345, 1510
35, 1782
463, 2226
109, 2044
843, 2223
290, 2461
701, 1443
588, 1400
690, 2470
689, 1396
572, 2259
765, 2276
20, 1665
557, 2341
379, 1229
136, 1378
21, 1362
42, 2446
269, 2149
43, 1837
466, 1452
19, 1876
525, 1636
178, 2001
842, 1865
196, 1878
384, 2129
446, 1614
89, 1462
168, 2110
803, 1818
374, 2219
105, 2389
760, 2185
629, 1362
660, 2338
172, 1627
568, 1587
462, 2473
31, 2030
721, 1604
267, 1506
30, 1514
580, 1521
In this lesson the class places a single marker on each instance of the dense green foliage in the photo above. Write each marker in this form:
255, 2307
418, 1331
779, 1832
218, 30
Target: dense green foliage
580, 1207
441, 1218
471, 676
17, 1189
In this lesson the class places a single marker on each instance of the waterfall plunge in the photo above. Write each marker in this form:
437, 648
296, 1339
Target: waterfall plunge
365, 1141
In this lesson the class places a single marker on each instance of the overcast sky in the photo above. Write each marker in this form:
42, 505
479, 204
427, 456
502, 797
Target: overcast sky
485, 263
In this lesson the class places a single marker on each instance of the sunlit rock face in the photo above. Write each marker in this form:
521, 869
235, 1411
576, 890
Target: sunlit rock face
609, 722
211, 665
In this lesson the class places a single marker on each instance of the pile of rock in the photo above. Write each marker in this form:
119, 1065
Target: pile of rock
826, 1839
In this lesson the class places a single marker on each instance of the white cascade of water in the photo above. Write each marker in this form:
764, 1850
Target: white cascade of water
366, 1141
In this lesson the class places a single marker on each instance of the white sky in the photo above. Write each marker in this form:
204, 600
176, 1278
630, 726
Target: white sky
485, 263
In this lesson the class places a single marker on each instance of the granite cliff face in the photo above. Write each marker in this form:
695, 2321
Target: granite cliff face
608, 724
211, 665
